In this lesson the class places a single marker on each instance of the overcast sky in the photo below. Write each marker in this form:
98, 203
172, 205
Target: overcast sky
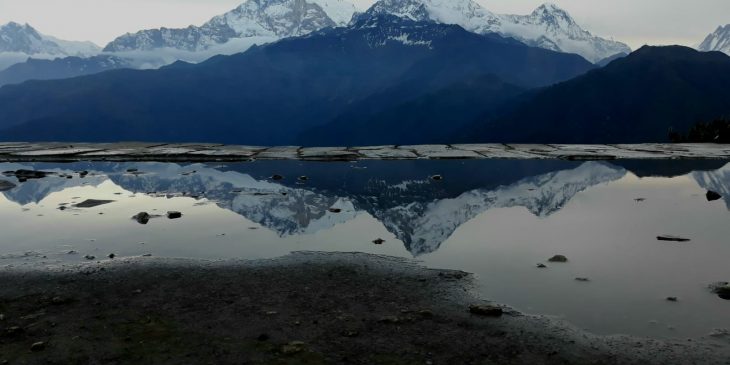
636, 22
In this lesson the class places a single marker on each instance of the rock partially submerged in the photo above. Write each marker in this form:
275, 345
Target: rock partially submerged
174, 215
722, 289
672, 238
712, 196
91, 203
142, 217
379, 241
558, 258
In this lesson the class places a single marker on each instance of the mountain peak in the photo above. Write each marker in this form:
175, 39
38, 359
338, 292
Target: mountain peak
550, 13
266, 20
717, 41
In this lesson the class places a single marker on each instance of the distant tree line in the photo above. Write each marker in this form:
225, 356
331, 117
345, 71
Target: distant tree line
717, 131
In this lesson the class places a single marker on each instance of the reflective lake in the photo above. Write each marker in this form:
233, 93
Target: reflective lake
495, 218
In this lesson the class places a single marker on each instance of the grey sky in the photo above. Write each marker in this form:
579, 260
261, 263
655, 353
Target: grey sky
635, 22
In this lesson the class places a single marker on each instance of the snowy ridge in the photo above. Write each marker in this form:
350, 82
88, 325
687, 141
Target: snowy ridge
25, 39
717, 41
547, 27
272, 19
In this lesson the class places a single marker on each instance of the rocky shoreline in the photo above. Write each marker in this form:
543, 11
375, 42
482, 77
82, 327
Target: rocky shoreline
305, 308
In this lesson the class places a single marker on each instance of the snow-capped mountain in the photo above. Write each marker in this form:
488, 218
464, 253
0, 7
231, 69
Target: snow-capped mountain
717, 41
19, 41
261, 20
547, 27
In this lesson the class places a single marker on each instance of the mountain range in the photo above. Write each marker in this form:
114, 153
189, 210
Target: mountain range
282, 89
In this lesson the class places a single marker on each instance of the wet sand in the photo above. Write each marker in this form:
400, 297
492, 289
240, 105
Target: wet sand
305, 308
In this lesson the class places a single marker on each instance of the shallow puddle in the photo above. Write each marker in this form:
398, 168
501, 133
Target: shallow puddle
498, 219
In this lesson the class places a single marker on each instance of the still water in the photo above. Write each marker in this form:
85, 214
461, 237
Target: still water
495, 218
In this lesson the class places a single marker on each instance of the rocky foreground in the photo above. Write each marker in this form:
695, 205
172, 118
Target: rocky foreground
306, 308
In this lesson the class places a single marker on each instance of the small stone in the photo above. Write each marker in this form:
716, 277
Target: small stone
672, 299
335, 210
132, 170
293, 347
111, 255
672, 238
437, 177
277, 177
486, 310
541, 266
712, 196
558, 258
582, 279
38, 346
89, 257
303, 178
142, 217
379, 241
174, 215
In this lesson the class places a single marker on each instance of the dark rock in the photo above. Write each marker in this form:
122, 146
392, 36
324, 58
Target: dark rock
722, 289
379, 241
111, 255
90, 203
672, 239
38, 346
6, 185
89, 257
487, 310
174, 215
712, 196
142, 218
640, 200
437, 177
27, 174
303, 178
132, 170
672, 299
277, 177
335, 210
558, 258
583, 279
541, 266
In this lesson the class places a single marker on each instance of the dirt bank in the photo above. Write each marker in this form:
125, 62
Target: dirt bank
306, 308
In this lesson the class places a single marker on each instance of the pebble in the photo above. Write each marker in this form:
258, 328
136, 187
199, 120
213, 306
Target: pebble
89, 257
38, 346
379, 241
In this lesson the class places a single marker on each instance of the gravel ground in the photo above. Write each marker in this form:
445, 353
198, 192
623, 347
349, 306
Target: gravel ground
305, 308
